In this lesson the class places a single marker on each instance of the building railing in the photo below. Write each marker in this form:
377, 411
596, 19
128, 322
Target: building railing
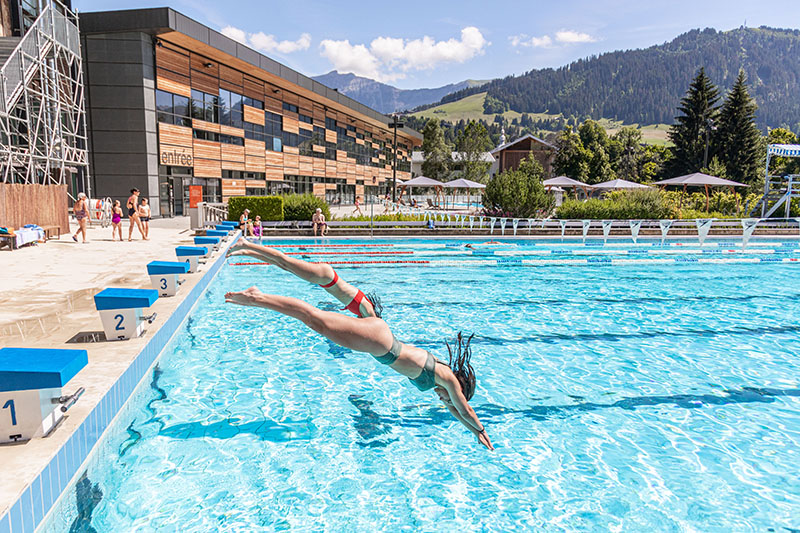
53, 25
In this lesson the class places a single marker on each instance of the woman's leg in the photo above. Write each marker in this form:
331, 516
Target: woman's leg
82, 223
316, 273
370, 335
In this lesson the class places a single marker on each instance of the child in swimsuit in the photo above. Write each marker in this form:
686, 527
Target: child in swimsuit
116, 220
144, 216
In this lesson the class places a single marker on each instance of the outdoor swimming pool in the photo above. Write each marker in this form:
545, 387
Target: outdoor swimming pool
663, 394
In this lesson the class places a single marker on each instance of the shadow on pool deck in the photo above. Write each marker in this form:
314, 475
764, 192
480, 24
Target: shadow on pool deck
371, 426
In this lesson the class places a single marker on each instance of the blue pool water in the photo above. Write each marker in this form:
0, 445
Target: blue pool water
657, 396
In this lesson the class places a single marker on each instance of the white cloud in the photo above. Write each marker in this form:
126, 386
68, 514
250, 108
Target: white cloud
537, 42
569, 37
267, 43
564, 37
390, 58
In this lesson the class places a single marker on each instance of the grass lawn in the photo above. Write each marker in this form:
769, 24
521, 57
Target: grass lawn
471, 108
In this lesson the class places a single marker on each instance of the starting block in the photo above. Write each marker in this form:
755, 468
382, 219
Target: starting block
164, 276
230, 223
121, 311
224, 227
217, 233
191, 255
213, 242
31, 404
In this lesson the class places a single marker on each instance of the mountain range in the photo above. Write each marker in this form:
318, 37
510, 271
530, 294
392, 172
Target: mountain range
385, 98
642, 86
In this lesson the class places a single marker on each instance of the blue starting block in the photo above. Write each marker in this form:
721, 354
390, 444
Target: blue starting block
164, 276
191, 255
121, 311
230, 224
224, 227
213, 242
217, 233
31, 404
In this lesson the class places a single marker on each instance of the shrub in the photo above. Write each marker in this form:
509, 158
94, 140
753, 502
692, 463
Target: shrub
518, 193
303, 206
631, 204
267, 207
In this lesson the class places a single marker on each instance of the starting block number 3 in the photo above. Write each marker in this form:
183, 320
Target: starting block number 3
163, 283
10, 406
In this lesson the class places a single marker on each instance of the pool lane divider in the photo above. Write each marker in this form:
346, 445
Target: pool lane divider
552, 262
39, 498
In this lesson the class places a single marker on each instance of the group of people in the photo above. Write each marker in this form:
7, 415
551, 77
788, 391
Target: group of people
252, 228
138, 215
454, 382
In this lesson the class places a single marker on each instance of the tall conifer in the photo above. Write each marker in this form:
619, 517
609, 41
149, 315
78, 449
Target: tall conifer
692, 132
738, 138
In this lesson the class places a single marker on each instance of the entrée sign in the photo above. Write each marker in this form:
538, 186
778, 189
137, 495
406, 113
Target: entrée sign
176, 157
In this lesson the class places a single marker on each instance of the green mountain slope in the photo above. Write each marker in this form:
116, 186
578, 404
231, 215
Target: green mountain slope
645, 86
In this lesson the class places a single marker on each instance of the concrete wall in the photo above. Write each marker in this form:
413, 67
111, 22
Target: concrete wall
119, 75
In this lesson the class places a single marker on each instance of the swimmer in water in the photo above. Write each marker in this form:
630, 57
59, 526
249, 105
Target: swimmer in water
453, 382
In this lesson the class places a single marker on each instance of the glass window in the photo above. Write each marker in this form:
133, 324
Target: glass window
277, 144
163, 101
236, 102
180, 105
290, 107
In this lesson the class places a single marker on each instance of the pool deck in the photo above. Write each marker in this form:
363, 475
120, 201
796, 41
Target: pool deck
46, 298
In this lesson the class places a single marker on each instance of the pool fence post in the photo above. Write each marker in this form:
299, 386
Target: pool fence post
371, 203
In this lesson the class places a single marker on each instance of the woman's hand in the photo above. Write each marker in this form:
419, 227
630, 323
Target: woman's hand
247, 297
483, 438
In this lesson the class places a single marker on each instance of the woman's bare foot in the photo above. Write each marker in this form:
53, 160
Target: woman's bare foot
240, 245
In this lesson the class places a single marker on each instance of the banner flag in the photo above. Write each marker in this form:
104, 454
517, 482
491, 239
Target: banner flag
606, 229
515, 223
748, 227
471, 222
665, 226
703, 226
586, 224
503, 226
563, 227
636, 225
492, 221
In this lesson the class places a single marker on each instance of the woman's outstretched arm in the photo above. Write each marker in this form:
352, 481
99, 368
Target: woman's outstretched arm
370, 335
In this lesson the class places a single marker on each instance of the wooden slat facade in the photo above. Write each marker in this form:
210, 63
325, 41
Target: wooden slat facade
183, 64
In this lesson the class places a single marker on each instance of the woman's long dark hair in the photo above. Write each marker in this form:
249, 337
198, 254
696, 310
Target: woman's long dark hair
460, 364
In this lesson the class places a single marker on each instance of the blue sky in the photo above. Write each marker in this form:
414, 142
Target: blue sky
416, 44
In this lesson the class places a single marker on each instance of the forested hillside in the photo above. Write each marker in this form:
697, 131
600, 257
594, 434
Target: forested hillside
645, 86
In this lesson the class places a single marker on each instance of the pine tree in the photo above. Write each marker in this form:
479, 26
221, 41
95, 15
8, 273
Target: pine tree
692, 132
437, 153
738, 139
471, 144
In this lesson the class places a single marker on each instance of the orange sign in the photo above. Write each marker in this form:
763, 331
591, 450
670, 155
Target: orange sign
195, 195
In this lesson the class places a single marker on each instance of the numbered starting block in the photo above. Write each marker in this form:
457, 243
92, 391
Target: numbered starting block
31, 404
164, 276
217, 233
121, 311
212, 242
191, 255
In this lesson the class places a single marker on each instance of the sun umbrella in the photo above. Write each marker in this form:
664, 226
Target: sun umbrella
567, 183
698, 179
462, 183
620, 184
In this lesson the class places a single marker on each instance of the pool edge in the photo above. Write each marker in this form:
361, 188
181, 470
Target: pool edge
39, 497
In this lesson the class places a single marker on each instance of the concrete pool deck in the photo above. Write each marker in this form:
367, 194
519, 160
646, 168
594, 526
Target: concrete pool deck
46, 298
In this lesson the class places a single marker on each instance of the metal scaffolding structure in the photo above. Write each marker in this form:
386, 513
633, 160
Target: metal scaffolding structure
42, 112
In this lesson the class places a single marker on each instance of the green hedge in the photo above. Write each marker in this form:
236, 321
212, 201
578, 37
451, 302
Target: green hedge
303, 206
633, 204
267, 207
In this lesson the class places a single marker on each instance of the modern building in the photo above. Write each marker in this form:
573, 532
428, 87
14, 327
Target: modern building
510, 154
173, 104
42, 113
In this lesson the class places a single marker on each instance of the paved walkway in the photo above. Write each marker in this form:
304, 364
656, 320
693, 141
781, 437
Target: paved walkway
49, 287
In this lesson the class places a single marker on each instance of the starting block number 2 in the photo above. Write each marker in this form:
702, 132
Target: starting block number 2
119, 324
10, 406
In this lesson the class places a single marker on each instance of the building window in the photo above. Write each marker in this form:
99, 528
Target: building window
205, 106
306, 119
252, 102
290, 107
172, 109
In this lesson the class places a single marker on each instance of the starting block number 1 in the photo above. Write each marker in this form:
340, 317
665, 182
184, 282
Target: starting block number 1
10, 406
